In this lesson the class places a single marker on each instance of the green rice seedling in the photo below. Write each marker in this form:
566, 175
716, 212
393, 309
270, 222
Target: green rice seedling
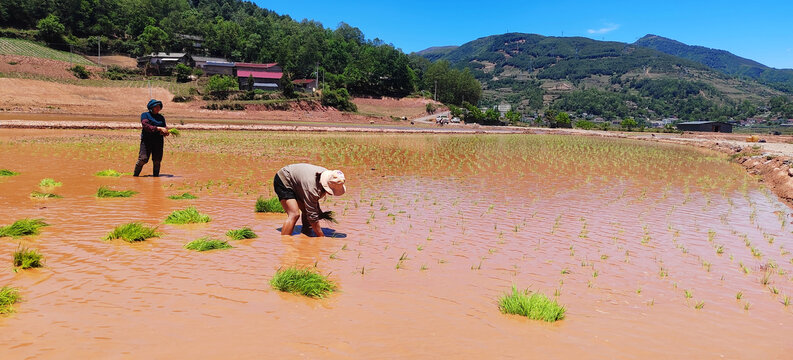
786, 300
688, 294
25, 258
424, 267
639, 290
302, 282
183, 196
719, 249
746, 306
6, 172
699, 305
239, 234
8, 296
44, 195
344, 247
565, 271
105, 192
739, 295
206, 244
22, 228
175, 132
774, 290
49, 183
333, 256
766, 278
271, 205
535, 306
187, 216
419, 247
132, 232
108, 173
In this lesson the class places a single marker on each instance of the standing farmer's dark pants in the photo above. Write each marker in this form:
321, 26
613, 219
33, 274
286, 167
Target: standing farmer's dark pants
150, 147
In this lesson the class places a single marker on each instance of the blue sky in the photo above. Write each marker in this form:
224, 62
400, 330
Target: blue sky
760, 30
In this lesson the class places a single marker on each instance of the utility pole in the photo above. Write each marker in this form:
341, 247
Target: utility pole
99, 50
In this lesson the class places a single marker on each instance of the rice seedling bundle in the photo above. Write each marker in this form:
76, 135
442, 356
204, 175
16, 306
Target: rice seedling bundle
8, 296
133, 232
44, 195
303, 282
49, 183
328, 216
108, 172
271, 205
22, 228
6, 172
535, 306
239, 234
184, 196
27, 258
187, 216
207, 243
105, 192
175, 132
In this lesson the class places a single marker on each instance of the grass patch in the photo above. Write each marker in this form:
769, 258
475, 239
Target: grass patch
8, 296
49, 183
105, 192
535, 306
132, 232
44, 195
6, 172
239, 234
22, 228
303, 282
271, 205
207, 243
25, 258
187, 216
108, 173
184, 196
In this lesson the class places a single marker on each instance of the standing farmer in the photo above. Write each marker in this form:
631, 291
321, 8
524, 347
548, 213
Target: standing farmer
299, 188
151, 137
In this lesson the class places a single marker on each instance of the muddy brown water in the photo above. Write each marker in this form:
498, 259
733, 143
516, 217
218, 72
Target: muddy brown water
473, 214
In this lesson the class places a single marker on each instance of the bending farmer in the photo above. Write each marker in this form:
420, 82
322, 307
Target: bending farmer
151, 137
299, 188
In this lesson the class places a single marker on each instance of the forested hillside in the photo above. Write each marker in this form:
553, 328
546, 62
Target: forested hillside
604, 79
234, 29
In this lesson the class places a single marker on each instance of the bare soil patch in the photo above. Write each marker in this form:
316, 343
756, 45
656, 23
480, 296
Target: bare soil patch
119, 60
407, 107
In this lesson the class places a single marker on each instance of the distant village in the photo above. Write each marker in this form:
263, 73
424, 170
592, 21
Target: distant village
264, 76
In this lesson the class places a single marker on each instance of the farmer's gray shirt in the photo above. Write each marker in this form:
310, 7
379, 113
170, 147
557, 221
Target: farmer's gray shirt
302, 179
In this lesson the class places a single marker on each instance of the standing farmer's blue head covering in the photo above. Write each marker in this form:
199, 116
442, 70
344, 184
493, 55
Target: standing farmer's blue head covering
152, 103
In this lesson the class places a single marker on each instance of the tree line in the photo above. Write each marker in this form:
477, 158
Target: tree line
238, 31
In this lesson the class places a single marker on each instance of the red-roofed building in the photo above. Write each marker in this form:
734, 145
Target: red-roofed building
306, 84
265, 76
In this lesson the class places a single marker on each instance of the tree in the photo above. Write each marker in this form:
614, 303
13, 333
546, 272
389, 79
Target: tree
430, 108
512, 116
562, 120
629, 123
153, 39
287, 87
51, 29
220, 86
182, 72
339, 99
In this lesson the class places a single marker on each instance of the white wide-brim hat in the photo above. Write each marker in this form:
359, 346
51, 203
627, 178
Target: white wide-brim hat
333, 182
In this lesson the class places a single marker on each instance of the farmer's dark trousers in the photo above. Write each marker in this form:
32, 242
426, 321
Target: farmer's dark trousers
153, 148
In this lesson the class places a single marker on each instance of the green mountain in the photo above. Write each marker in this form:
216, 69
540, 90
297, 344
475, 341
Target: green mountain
601, 78
724, 61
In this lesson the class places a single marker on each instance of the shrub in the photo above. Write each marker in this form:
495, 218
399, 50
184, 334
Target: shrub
182, 98
339, 99
302, 281
104, 192
80, 72
132, 232
187, 216
239, 234
207, 243
22, 228
271, 205
25, 258
182, 72
431, 108
8, 296
585, 124
535, 306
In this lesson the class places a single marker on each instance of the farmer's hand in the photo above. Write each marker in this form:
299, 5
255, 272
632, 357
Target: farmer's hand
164, 131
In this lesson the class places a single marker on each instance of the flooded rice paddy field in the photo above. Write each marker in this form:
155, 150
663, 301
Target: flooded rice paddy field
646, 245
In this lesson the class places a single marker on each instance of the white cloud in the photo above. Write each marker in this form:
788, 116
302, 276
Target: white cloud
605, 30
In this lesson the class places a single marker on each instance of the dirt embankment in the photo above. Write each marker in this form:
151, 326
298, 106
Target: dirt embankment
776, 171
32, 66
